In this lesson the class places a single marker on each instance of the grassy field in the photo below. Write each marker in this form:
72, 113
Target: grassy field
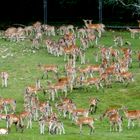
21, 64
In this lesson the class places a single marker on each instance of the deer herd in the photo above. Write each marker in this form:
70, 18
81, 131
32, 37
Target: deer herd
112, 65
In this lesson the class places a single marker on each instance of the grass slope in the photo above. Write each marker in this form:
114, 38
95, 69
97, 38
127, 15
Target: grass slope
23, 71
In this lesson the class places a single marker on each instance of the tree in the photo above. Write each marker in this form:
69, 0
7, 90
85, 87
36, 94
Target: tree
133, 5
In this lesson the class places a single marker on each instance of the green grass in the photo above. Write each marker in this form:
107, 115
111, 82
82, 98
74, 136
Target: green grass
23, 71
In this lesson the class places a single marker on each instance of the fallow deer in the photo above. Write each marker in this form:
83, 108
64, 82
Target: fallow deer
49, 68
98, 27
134, 32
131, 115
14, 119
85, 121
6, 102
93, 102
115, 119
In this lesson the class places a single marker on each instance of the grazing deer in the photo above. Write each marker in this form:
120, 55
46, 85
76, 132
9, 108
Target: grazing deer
126, 77
131, 115
85, 121
4, 76
49, 68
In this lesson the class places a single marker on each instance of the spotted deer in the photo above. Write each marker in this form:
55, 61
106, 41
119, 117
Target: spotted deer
114, 118
33, 90
98, 27
9, 104
85, 121
93, 102
49, 68
79, 112
131, 115
14, 119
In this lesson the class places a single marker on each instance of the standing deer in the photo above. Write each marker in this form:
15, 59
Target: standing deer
93, 105
131, 115
114, 118
85, 121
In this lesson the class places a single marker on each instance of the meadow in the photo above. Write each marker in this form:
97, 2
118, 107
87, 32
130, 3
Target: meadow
22, 65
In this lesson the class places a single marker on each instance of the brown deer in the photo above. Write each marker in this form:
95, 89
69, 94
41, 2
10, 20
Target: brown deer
134, 32
85, 121
6, 102
115, 119
131, 115
98, 27
14, 119
93, 105
49, 68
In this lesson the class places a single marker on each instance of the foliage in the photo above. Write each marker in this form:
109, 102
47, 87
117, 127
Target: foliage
133, 5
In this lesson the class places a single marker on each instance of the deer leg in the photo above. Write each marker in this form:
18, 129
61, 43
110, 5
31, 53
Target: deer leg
133, 124
120, 127
95, 108
80, 128
129, 123
92, 128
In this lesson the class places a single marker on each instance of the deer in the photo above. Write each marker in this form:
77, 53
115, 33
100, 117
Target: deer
32, 90
134, 32
49, 68
14, 119
6, 102
54, 125
126, 77
79, 112
93, 81
85, 121
98, 27
4, 75
114, 118
93, 102
131, 115
26, 116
